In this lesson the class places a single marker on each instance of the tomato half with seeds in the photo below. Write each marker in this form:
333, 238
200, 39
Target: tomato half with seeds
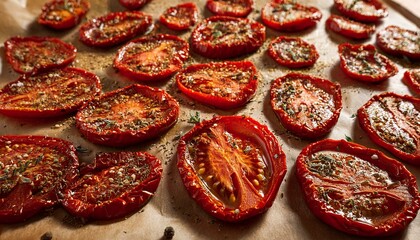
50, 94
364, 63
392, 121
307, 106
227, 37
225, 85
63, 14
152, 58
232, 8
114, 185
399, 42
293, 52
362, 10
357, 190
35, 54
133, 4
127, 116
34, 170
180, 17
114, 28
412, 79
232, 166
287, 15
349, 28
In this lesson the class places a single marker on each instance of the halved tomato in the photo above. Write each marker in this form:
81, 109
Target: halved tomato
63, 14
180, 17
34, 170
357, 190
224, 85
50, 94
364, 63
293, 52
152, 58
233, 8
133, 4
114, 28
127, 116
287, 15
307, 106
392, 121
34, 54
399, 42
232, 166
412, 79
227, 37
114, 185
349, 28
362, 10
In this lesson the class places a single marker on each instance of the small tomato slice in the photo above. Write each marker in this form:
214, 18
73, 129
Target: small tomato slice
362, 10
392, 121
364, 63
287, 15
232, 8
50, 94
34, 170
357, 190
180, 17
127, 116
227, 37
114, 28
399, 42
349, 28
232, 166
152, 58
114, 185
63, 14
34, 54
133, 4
412, 79
225, 85
292, 52
307, 106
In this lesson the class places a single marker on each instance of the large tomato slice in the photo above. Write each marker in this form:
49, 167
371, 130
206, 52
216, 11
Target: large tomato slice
114, 28
307, 106
50, 94
412, 79
224, 85
152, 58
126, 116
364, 63
392, 122
34, 170
227, 37
356, 189
349, 28
133, 4
233, 8
114, 185
287, 15
362, 10
232, 166
399, 42
180, 17
63, 14
33, 54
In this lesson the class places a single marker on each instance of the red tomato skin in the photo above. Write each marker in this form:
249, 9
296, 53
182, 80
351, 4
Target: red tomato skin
364, 122
412, 80
397, 35
117, 138
333, 24
202, 197
216, 8
340, 222
133, 4
218, 101
44, 113
141, 28
189, 6
227, 50
301, 130
361, 16
70, 21
128, 202
26, 203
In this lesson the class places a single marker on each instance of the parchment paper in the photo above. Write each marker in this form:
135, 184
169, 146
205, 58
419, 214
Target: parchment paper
288, 218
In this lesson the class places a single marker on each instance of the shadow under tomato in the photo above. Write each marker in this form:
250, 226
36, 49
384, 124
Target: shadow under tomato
115, 6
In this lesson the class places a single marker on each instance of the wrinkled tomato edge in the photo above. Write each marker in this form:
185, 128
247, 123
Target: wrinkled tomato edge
177, 26
69, 22
411, 81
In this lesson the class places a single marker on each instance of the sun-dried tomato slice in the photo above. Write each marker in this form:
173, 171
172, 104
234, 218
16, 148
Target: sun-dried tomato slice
114, 185
232, 166
180, 17
133, 4
357, 190
412, 79
63, 14
349, 28
34, 170
399, 42
392, 121
307, 106
362, 10
232, 8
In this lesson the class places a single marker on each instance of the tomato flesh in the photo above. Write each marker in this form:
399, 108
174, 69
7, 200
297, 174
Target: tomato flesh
349, 28
232, 8
362, 10
63, 14
399, 42
180, 17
